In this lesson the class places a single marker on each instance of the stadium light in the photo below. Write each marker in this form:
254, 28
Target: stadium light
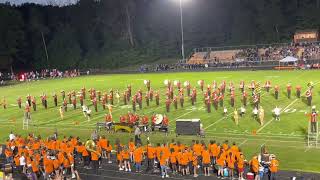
182, 33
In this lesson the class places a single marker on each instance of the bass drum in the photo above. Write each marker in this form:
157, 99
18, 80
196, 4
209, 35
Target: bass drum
159, 119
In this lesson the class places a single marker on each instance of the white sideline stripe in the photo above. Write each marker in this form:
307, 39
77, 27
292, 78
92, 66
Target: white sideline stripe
260, 129
246, 140
217, 121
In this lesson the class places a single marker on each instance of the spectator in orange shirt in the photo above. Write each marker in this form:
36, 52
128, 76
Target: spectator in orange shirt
163, 164
240, 163
254, 165
274, 166
119, 157
173, 160
108, 151
95, 155
150, 156
137, 155
220, 163
125, 156
195, 164
206, 161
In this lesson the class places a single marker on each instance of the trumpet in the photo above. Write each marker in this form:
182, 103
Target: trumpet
91, 147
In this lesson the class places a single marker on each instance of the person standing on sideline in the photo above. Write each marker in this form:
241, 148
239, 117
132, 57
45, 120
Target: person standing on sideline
274, 166
313, 119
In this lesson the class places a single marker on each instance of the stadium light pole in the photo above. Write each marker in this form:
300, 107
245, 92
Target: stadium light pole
182, 34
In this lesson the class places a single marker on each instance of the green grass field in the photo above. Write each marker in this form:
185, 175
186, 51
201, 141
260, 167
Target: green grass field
286, 139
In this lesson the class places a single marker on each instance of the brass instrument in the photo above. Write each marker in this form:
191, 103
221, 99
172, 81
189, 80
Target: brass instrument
91, 147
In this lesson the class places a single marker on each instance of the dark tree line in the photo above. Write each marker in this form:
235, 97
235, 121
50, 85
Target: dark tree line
117, 33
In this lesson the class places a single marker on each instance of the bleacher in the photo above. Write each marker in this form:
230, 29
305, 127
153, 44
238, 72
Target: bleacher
265, 52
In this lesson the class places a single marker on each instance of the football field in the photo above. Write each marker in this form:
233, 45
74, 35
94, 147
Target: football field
285, 138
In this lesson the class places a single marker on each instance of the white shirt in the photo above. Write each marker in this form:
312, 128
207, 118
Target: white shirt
22, 160
255, 111
225, 110
243, 110
88, 111
276, 111
12, 136
84, 108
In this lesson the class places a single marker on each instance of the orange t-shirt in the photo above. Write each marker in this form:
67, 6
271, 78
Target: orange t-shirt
173, 157
35, 166
151, 152
132, 147
94, 156
56, 164
103, 143
220, 160
206, 157
254, 165
48, 165
274, 165
240, 163
197, 148
137, 154
125, 155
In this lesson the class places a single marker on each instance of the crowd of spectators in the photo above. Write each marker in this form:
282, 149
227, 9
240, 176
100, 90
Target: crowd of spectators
62, 157
37, 75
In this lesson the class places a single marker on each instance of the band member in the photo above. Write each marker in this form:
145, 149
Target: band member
111, 97
241, 86
179, 85
147, 99
19, 102
193, 98
148, 85
88, 112
139, 100
145, 122
27, 114
69, 97
261, 115
171, 92
83, 92
194, 91
214, 85
215, 100
65, 105
129, 90
208, 104
118, 97
165, 123
188, 88
289, 90
244, 98
298, 91
309, 96
34, 103
109, 108
267, 85
134, 100
157, 98
221, 97
201, 84
4, 103
81, 98
125, 97
123, 119
44, 100
209, 90
175, 102
223, 87
231, 87
168, 102
151, 95
276, 91
29, 99
74, 102
63, 94
103, 103
232, 98
313, 120
277, 113
95, 104
235, 116
99, 95
181, 98
252, 85
61, 111
55, 99
153, 120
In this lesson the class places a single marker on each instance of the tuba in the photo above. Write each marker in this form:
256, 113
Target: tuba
91, 147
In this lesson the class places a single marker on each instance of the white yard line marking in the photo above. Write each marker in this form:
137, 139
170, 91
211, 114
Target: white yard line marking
246, 140
218, 121
181, 115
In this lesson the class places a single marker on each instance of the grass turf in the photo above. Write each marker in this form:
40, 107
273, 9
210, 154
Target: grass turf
286, 138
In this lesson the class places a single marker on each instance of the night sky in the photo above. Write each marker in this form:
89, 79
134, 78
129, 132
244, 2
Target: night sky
44, 2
